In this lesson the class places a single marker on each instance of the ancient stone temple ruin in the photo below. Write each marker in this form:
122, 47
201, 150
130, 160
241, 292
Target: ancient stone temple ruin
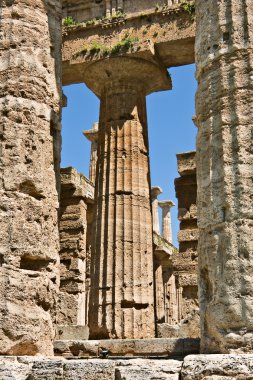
87, 272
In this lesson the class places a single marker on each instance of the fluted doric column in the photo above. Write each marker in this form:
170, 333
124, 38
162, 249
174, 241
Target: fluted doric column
122, 289
155, 191
30, 97
166, 219
92, 135
224, 58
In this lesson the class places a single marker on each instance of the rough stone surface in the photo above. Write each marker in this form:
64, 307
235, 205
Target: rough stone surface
72, 332
185, 263
217, 367
179, 271
127, 347
30, 91
55, 369
77, 197
201, 367
137, 369
224, 104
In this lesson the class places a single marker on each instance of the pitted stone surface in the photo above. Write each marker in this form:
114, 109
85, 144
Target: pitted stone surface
224, 107
30, 91
217, 367
127, 347
146, 369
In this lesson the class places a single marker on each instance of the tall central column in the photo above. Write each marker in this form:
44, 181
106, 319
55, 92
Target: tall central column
122, 289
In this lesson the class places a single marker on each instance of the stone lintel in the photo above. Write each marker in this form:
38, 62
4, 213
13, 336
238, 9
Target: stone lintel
147, 74
173, 41
156, 347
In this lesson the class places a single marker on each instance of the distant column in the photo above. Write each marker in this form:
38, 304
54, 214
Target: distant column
92, 135
166, 219
120, 5
108, 8
155, 191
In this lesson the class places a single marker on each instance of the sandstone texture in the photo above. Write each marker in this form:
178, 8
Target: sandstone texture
201, 367
176, 274
126, 347
224, 104
76, 203
17, 368
30, 70
217, 367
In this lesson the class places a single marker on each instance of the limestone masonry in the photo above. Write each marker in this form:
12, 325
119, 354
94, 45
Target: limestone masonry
91, 284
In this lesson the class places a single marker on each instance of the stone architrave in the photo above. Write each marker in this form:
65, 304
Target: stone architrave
30, 98
92, 135
166, 219
224, 105
155, 191
122, 284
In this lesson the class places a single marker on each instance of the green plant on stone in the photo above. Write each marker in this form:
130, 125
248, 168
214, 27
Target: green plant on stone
123, 45
157, 7
69, 21
98, 48
119, 14
189, 7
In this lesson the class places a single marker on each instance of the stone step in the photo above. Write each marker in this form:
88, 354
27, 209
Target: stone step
157, 347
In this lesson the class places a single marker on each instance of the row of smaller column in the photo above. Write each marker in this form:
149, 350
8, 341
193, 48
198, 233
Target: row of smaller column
166, 216
113, 6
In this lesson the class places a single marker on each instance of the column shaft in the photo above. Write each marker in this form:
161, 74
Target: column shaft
122, 294
224, 58
29, 174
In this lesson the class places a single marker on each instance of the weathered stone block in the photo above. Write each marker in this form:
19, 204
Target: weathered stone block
72, 333
217, 367
128, 347
146, 369
186, 163
89, 370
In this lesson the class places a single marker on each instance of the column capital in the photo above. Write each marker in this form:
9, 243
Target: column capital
150, 75
166, 204
155, 191
92, 134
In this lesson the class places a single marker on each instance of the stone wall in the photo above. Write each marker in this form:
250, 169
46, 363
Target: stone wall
180, 270
211, 367
30, 71
186, 263
77, 194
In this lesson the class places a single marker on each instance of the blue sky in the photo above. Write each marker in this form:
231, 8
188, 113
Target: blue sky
171, 130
